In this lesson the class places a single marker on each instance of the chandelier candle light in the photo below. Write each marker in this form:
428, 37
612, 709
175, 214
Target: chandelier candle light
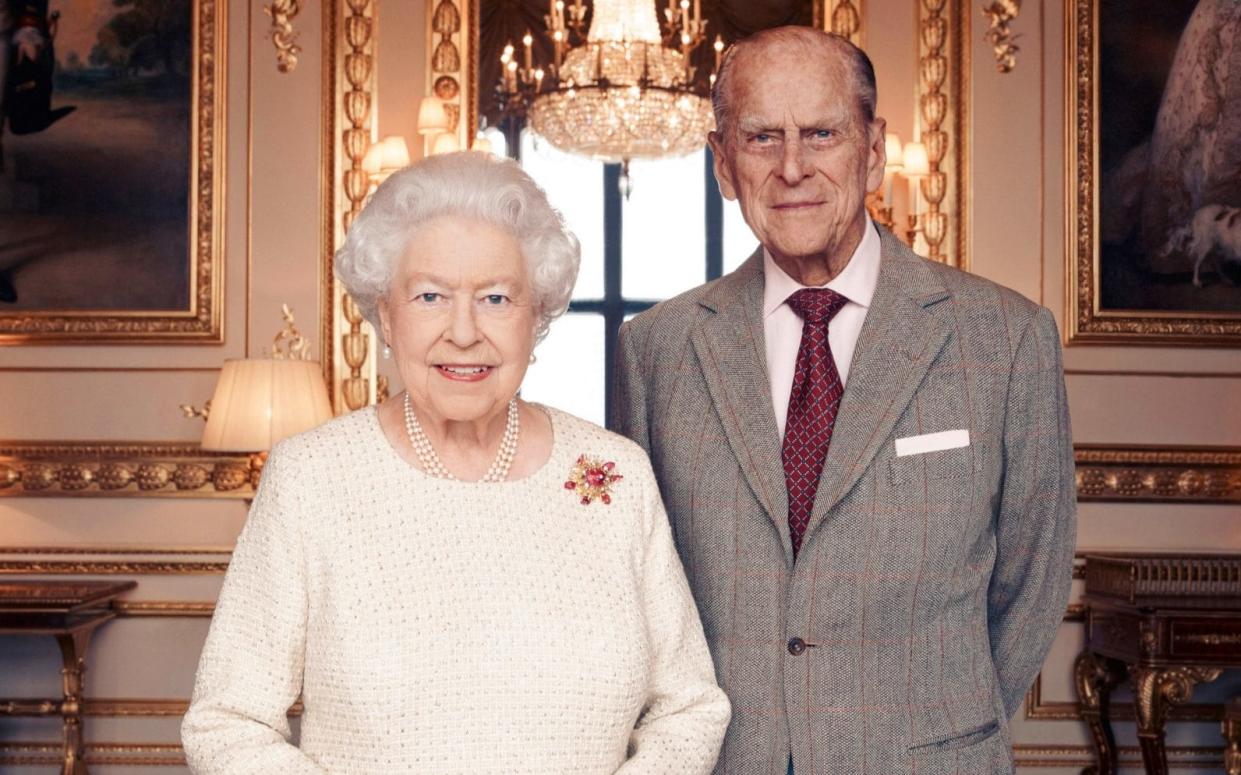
627, 90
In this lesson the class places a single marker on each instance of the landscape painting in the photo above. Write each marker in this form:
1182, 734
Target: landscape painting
108, 181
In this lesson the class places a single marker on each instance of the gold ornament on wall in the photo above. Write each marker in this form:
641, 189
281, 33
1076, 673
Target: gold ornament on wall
933, 71
1167, 474
355, 343
999, 14
60, 469
283, 36
842, 17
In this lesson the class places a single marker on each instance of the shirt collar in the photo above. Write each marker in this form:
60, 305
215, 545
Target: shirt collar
856, 282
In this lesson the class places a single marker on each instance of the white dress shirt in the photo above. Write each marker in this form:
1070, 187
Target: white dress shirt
782, 326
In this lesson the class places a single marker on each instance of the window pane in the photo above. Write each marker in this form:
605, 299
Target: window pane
664, 238
574, 186
568, 372
739, 241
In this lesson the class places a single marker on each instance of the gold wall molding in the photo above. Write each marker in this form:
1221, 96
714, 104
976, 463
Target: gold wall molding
93, 550
110, 567
283, 36
97, 468
349, 71
164, 608
202, 321
943, 71
1158, 474
94, 469
1086, 321
1075, 756
157, 754
446, 64
842, 17
1000, 15
18, 754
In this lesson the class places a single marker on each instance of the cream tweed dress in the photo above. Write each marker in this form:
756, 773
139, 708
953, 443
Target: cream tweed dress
434, 626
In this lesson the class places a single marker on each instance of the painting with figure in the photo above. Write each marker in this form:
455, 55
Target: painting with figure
1170, 155
96, 152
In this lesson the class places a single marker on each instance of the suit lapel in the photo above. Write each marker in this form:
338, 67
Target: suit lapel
899, 340
730, 347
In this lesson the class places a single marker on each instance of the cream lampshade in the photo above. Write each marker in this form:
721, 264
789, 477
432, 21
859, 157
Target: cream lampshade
892, 146
385, 157
432, 117
916, 164
259, 401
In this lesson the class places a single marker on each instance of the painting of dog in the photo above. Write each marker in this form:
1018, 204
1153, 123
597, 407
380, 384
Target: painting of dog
1214, 233
1170, 156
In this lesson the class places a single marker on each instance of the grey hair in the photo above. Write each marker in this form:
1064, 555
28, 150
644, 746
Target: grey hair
809, 38
471, 185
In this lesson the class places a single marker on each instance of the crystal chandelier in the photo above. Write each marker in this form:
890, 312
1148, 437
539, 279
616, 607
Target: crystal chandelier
621, 92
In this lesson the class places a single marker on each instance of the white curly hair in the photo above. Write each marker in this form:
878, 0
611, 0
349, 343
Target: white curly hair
467, 184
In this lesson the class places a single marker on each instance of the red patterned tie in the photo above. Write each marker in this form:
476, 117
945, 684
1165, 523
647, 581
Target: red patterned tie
812, 405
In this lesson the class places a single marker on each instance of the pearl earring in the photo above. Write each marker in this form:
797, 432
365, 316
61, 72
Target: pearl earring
387, 352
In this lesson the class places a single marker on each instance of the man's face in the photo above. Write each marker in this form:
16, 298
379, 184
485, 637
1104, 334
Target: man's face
796, 152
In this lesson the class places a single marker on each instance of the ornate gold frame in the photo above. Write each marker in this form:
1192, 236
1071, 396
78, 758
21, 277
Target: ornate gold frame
202, 323
1087, 323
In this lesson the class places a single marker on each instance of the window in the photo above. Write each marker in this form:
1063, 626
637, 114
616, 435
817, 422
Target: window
674, 232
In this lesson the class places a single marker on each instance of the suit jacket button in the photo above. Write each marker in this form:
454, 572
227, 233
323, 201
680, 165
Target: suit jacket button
796, 646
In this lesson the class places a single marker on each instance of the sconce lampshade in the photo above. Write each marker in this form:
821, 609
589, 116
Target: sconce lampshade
445, 142
892, 145
432, 117
258, 402
387, 155
916, 163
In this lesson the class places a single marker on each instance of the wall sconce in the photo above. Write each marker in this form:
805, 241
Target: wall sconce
259, 401
916, 166
892, 166
432, 117
435, 125
384, 158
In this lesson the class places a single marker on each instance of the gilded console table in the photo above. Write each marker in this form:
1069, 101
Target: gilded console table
1169, 622
70, 612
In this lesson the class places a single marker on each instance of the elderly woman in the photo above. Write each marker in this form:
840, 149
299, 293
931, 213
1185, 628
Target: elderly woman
457, 580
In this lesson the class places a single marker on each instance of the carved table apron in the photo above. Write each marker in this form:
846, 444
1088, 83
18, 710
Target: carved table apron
1169, 622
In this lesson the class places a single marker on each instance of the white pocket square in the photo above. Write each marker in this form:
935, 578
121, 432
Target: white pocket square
932, 442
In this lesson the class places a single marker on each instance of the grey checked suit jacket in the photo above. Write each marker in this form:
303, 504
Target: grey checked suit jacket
928, 586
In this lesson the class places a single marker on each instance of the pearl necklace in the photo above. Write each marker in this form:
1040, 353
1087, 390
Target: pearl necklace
433, 466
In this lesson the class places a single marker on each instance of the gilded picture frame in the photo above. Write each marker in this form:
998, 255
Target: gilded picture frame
200, 319
1089, 318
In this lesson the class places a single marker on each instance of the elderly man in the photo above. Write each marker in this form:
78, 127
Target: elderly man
865, 455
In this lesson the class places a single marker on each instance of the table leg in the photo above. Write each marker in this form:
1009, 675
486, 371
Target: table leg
1094, 677
73, 657
1231, 729
1154, 691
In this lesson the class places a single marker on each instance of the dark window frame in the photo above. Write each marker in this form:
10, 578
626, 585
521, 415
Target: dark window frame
614, 306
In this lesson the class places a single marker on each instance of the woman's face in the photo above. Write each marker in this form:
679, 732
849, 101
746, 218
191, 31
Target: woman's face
460, 318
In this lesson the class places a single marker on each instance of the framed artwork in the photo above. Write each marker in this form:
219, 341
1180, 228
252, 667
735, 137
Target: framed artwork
111, 183
1154, 173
